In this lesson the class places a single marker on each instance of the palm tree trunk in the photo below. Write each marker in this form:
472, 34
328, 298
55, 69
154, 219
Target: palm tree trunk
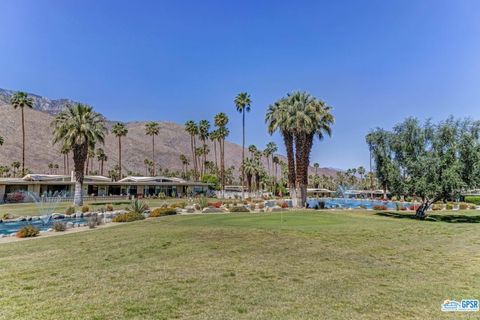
86, 168
79, 157
65, 164
120, 157
215, 153
23, 144
153, 153
243, 155
299, 162
101, 168
68, 163
288, 139
307, 147
222, 165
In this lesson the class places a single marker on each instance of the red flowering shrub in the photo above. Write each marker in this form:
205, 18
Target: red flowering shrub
15, 197
215, 204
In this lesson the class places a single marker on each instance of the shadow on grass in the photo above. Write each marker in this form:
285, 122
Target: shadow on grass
449, 218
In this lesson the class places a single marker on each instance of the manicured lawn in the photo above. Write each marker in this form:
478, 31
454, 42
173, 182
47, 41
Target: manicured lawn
310, 265
30, 209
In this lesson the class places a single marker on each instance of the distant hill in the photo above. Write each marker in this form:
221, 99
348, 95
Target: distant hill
169, 144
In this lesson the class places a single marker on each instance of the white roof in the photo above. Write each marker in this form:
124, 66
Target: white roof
151, 179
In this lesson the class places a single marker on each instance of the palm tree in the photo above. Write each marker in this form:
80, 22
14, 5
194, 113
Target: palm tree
361, 171
277, 118
2, 141
185, 163
90, 156
203, 132
192, 128
56, 168
119, 130
214, 138
21, 100
249, 169
276, 162
152, 129
78, 128
101, 157
242, 103
221, 121
66, 166
316, 165
253, 150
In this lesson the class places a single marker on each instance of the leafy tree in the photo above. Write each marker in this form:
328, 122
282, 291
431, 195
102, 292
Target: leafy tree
78, 128
152, 129
21, 100
119, 130
242, 103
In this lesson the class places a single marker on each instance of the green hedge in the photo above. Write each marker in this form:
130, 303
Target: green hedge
473, 199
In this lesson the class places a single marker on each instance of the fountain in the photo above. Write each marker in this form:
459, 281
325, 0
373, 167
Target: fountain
46, 205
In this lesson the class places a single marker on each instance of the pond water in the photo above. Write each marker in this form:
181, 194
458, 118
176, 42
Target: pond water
347, 203
10, 227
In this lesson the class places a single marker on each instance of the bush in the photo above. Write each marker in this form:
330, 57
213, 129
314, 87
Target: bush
28, 231
202, 202
109, 207
138, 206
215, 204
15, 197
70, 210
59, 226
284, 205
128, 217
449, 206
85, 209
182, 205
380, 207
160, 212
239, 209
473, 199
261, 206
437, 207
463, 206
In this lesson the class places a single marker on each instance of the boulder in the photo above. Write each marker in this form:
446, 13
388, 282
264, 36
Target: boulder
212, 210
56, 216
87, 214
69, 225
190, 209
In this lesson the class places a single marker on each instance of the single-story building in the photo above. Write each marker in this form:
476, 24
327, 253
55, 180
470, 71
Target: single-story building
49, 185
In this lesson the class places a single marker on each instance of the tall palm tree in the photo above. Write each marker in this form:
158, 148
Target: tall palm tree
242, 103
15, 165
221, 121
22, 100
278, 119
2, 141
185, 163
90, 156
203, 132
66, 165
316, 165
152, 129
119, 130
101, 157
78, 128
214, 138
192, 129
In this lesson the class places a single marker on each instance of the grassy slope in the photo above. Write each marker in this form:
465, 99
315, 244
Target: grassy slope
313, 265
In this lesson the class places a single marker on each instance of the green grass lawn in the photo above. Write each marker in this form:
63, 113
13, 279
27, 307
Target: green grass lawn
310, 265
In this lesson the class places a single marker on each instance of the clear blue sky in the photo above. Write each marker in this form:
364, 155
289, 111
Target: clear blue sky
375, 62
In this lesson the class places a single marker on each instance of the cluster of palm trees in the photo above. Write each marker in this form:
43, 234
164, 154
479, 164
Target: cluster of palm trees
299, 117
201, 132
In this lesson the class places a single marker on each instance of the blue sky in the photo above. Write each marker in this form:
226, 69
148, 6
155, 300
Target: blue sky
375, 62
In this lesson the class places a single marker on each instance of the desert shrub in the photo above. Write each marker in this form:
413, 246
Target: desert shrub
109, 207
473, 206
239, 209
473, 199
161, 195
380, 207
70, 210
85, 209
182, 205
59, 226
449, 206
28, 231
138, 206
215, 204
202, 202
94, 221
261, 205
463, 206
128, 217
437, 207
159, 212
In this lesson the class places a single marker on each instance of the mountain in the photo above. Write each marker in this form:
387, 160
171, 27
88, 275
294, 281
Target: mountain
171, 142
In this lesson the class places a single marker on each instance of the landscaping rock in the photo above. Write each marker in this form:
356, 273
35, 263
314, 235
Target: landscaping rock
56, 216
69, 225
190, 209
276, 209
212, 210
87, 214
